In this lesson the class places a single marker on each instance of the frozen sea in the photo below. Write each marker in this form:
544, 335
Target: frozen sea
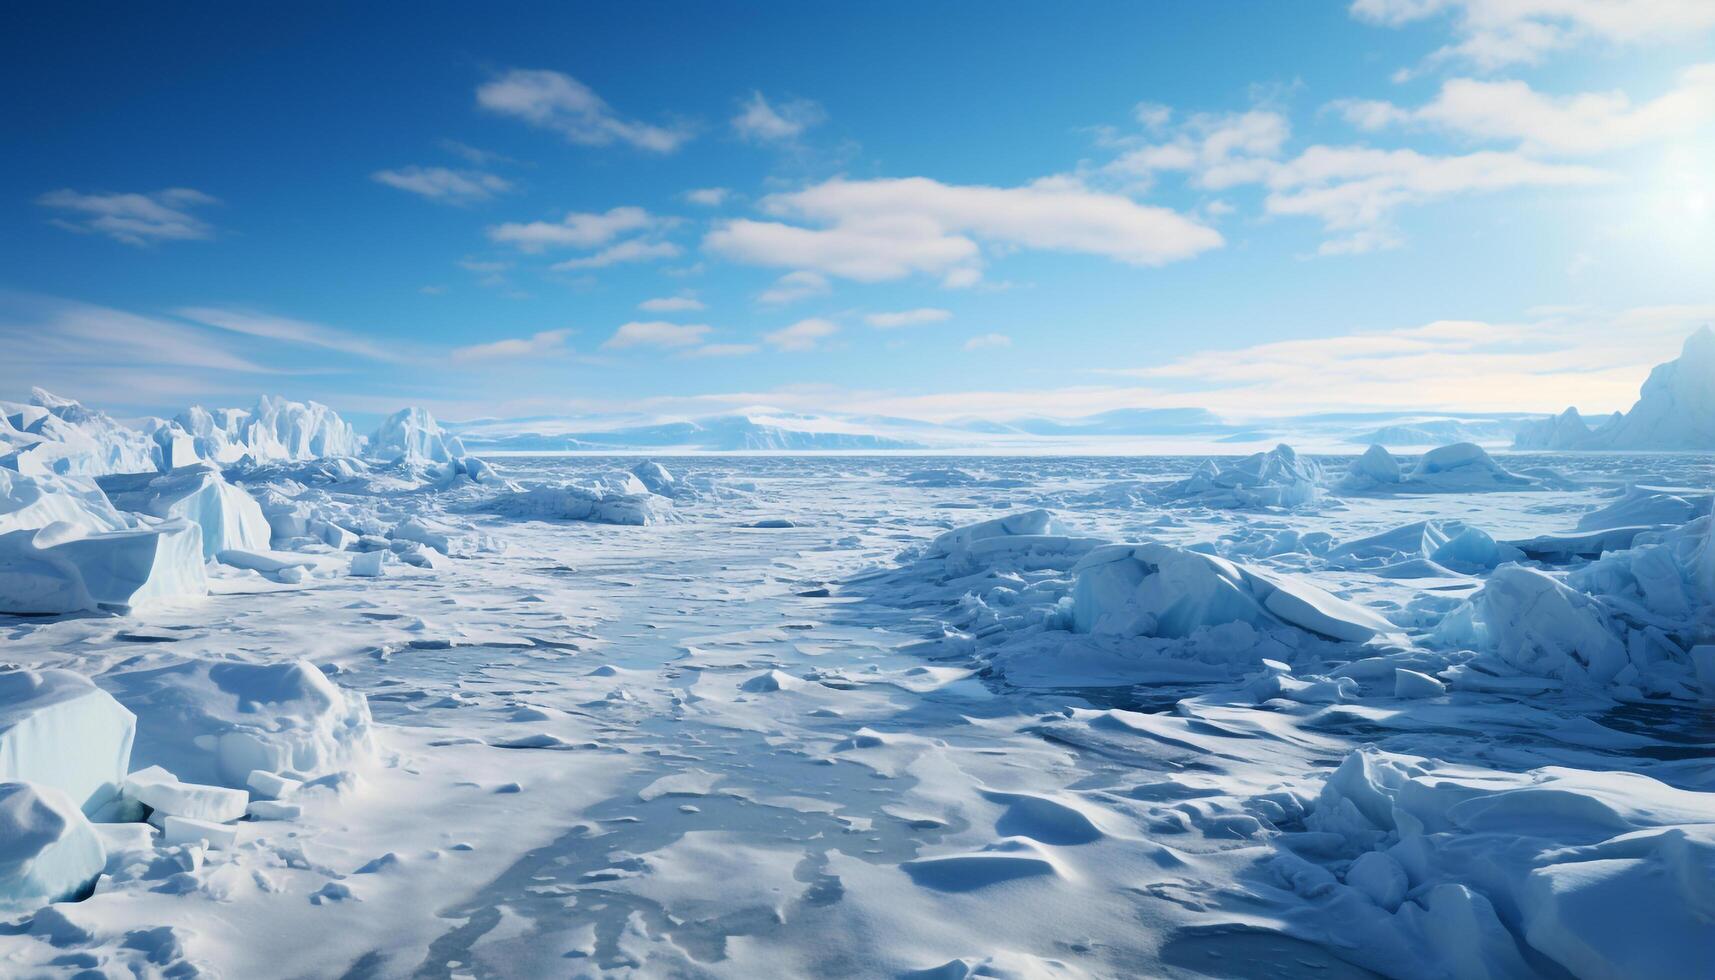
770, 737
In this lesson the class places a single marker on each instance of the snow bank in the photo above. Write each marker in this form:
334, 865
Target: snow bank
1645, 506
216, 723
1450, 544
1162, 591
411, 434
62, 568
1457, 872
1462, 467
620, 500
58, 729
229, 517
1277, 478
48, 850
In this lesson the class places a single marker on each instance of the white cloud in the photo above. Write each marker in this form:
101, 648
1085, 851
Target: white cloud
804, 335
1495, 33
671, 304
1220, 149
1356, 189
1594, 361
135, 219
907, 318
446, 186
1587, 123
988, 341
722, 350
874, 230
291, 331
656, 333
552, 100
541, 344
577, 230
708, 197
794, 286
760, 121
635, 250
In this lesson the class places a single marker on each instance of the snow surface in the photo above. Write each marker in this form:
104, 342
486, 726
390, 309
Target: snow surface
880, 716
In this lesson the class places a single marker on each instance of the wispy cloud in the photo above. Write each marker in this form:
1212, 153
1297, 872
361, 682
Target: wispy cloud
761, 121
722, 350
1495, 33
135, 219
794, 286
577, 229
290, 331
805, 335
635, 250
1581, 124
876, 230
656, 333
556, 101
988, 341
907, 318
671, 304
443, 185
708, 197
543, 344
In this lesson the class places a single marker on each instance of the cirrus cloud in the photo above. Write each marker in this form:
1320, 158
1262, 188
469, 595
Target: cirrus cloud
556, 101
656, 333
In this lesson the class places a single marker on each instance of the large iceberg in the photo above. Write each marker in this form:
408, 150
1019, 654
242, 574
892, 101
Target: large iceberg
1163, 591
37, 501
1675, 410
229, 517
58, 729
277, 429
412, 435
54, 435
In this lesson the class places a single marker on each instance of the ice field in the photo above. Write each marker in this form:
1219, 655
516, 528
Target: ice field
884, 716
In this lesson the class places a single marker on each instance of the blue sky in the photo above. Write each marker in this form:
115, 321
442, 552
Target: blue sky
931, 210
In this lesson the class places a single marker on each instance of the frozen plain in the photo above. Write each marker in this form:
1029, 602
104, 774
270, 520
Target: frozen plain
781, 730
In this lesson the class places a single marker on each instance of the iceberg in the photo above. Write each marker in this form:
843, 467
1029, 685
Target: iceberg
1376, 469
622, 500
54, 435
412, 435
1675, 410
1448, 543
58, 729
230, 518
28, 502
1277, 478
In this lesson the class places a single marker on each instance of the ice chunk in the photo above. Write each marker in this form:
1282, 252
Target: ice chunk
1412, 684
67, 439
60, 569
189, 830
229, 517
48, 850
164, 793
58, 729
1160, 590
369, 564
655, 478
1277, 478
1540, 626
1644, 506
219, 722
1376, 469
1379, 876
